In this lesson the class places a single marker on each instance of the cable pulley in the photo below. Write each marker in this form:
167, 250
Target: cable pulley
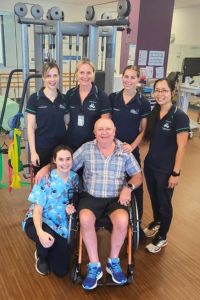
37, 11
123, 8
54, 13
20, 9
90, 13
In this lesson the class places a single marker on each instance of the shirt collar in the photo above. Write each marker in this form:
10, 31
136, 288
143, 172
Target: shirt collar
41, 93
93, 91
171, 112
118, 145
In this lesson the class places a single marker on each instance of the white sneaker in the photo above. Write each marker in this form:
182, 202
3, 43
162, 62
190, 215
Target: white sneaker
151, 229
156, 246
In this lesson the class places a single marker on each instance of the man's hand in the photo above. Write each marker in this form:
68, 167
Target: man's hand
125, 196
44, 172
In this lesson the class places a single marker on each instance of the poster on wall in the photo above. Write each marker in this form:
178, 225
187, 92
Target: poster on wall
156, 58
159, 72
131, 54
142, 58
149, 72
146, 72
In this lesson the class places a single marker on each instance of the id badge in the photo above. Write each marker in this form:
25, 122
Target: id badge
80, 120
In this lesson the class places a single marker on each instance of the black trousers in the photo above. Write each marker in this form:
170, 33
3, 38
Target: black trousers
161, 198
58, 255
45, 156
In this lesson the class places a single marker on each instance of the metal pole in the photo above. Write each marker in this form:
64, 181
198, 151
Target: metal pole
94, 44
84, 46
110, 61
70, 61
59, 50
25, 57
39, 42
77, 48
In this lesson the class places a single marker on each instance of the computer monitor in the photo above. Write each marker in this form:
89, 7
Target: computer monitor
191, 67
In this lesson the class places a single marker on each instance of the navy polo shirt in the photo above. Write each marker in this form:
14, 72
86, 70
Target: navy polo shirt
93, 106
127, 117
163, 144
51, 129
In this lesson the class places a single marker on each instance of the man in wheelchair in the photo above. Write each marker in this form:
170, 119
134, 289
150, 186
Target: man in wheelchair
105, 191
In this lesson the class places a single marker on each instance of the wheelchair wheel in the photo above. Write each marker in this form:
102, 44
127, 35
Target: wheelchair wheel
134, 219
130, 273
75, 275
73, 228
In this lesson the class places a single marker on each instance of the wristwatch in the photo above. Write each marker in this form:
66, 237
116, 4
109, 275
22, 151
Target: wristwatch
173, 173
131, 186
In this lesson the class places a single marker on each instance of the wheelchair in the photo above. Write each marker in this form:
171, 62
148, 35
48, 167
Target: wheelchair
75, 241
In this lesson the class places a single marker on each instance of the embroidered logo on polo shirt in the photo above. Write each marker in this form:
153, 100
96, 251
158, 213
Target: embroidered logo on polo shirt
62, 106
134, 112
92, 106
167, 126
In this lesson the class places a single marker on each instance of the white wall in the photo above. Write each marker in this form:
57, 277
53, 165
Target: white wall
185, 29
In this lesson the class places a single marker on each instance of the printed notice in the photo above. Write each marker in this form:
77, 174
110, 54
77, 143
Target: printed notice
142, 59
156, 58
159, 72
131, 56
149, 72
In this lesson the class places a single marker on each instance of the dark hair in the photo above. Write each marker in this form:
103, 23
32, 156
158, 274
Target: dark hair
48, 66
55, 152
134, 68
170, 83
154, 116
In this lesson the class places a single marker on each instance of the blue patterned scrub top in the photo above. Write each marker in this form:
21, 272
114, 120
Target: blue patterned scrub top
53, 197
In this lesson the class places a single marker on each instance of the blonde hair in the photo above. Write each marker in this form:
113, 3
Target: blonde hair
85, 61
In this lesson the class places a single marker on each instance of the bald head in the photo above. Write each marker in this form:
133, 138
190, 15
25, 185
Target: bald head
104, 130
104, 122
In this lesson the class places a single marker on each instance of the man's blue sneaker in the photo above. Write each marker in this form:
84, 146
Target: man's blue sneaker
94, 273
114, 269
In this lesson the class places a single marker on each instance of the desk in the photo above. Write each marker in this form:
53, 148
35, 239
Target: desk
185, 92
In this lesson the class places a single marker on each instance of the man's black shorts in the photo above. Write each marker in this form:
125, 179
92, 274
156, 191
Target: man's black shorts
99, 206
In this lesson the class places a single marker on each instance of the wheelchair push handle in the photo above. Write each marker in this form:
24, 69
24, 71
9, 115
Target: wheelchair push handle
73, 201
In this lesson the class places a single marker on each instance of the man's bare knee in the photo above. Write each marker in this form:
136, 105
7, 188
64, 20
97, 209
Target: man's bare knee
119, 219
87, 218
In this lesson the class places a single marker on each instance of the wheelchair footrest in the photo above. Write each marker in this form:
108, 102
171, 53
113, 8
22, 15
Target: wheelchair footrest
110, 282
100, 282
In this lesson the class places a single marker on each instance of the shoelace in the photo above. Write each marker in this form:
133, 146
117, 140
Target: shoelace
116, 267
92, 272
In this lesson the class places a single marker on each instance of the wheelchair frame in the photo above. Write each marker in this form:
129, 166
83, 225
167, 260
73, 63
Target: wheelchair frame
132, 246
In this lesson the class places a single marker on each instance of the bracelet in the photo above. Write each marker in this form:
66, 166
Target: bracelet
173, 173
